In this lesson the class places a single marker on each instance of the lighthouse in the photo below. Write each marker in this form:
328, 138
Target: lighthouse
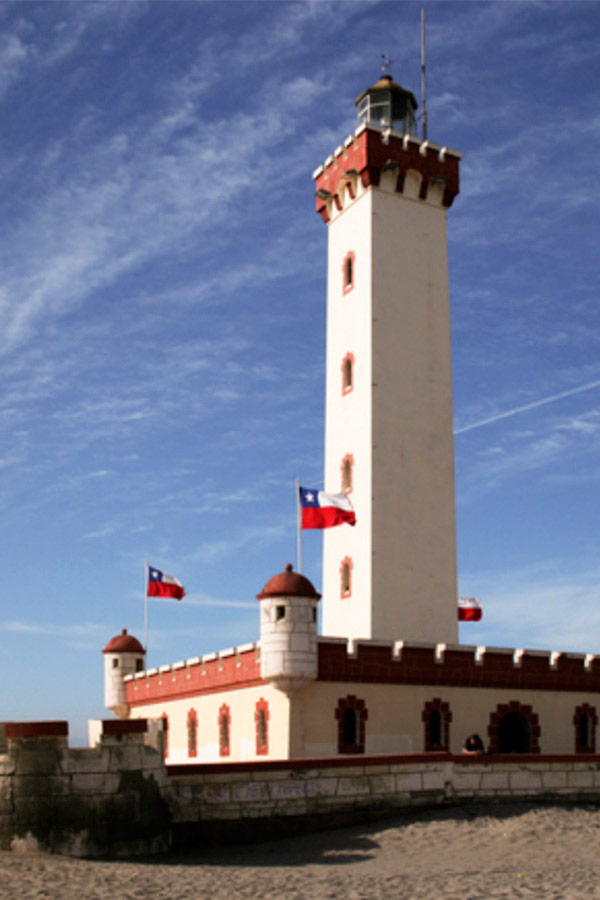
384, 196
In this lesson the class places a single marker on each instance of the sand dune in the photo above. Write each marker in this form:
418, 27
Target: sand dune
468, 853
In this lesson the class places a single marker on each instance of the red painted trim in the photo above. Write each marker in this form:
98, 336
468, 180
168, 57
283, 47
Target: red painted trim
262, 746
36, 729
368, 154
345, 593
221, 674
407, 759
124, 726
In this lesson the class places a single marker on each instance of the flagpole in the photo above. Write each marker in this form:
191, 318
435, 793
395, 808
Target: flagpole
146, 610
298, 528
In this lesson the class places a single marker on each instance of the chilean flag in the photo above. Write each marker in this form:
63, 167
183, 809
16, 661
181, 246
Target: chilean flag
469, 609
161, 585
321, 510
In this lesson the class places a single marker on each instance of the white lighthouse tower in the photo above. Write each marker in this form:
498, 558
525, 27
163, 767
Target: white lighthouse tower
384, 194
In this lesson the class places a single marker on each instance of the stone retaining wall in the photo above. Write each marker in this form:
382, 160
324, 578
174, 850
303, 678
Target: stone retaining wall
250, 801
104, 801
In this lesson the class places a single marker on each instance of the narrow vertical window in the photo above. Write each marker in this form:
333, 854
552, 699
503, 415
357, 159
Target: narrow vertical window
224, 730
347, 373
585, 721
437, 717
192, 733
347, 468
261, 719
165, 719
351, 715
348, 267
346, 577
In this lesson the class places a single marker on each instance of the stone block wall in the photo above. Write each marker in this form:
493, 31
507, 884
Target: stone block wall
107, 800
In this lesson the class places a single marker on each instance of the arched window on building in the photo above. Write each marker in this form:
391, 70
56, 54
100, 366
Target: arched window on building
346, 566
436, 717
347, 373
261, 719
348, 266
514, 728
351, 715
347, 469
192, 733
224, 730
165, 719
585, 721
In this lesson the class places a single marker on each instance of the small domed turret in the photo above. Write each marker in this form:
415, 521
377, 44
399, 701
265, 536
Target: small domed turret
123, 655
389, 105
288, 630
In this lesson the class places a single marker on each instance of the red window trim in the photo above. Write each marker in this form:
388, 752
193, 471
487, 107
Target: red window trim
585, 710
347, 561
347, 388
347, 286
192, 733
262, 706
437, 705
348, 458
224, 713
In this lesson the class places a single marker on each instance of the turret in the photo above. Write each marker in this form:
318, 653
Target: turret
389, 105
288, 630
123, 655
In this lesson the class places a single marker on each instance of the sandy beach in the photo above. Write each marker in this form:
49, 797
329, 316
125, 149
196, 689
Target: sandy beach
467, 854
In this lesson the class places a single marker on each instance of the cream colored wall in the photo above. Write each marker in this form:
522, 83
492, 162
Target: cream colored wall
242, 705
348, 420
397, 422
394, 723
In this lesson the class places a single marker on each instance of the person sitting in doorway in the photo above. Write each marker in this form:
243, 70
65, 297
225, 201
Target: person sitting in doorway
473, 745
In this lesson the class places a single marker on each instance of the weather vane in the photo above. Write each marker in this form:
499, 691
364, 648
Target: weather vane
385, 63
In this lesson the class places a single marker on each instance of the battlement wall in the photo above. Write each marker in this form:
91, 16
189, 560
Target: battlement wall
226, 670
456, 665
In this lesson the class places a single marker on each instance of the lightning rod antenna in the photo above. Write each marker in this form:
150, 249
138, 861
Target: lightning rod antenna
423, 84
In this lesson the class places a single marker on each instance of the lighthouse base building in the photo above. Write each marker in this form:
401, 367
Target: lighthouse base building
388, 675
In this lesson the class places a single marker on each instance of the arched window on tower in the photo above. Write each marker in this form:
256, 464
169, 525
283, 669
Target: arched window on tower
346, 566
347, 470
347, 373
348, 267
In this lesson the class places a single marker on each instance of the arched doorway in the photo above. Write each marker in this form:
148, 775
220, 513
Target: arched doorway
514, 734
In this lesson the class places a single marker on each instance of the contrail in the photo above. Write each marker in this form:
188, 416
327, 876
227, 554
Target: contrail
527, 406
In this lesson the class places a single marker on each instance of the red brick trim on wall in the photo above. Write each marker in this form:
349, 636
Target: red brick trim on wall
261, 719
523, 709
348, 705
192, 733
437, 707
224, 726
581, 745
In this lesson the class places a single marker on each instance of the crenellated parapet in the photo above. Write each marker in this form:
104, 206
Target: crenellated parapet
372, 155
397, 662
235, 667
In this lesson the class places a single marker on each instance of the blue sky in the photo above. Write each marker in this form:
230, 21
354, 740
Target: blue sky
162, 309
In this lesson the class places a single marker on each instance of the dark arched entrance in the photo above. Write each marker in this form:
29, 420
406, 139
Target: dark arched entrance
514, 733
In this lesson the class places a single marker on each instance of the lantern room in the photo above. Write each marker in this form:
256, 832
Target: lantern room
389, 105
